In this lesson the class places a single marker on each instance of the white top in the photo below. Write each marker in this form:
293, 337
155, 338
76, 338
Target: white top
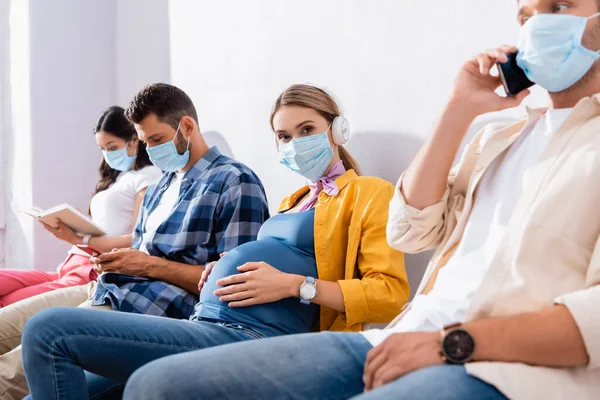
162, 211
496, 197
113, 208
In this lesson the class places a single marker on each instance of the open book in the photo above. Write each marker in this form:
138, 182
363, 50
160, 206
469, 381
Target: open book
69, 216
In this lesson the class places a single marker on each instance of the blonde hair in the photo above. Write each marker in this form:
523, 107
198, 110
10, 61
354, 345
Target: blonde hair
312, 97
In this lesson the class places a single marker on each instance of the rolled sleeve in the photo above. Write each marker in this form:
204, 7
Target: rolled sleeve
411, 230
355, 301
583, 306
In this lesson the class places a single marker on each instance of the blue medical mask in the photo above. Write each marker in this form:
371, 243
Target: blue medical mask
551, 53
119, 159
308, 156
165, 156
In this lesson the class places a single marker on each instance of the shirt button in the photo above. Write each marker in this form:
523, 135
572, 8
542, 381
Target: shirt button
320, 222
322, 252
479, 167
478, 151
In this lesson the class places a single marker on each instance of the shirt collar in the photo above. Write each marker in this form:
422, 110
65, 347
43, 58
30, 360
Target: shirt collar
341, 183
201, 165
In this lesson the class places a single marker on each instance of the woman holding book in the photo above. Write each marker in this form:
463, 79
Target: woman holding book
125, 173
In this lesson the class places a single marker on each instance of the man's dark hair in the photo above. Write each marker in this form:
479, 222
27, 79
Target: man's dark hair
167, 102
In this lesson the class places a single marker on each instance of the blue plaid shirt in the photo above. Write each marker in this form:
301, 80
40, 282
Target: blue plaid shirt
222, 204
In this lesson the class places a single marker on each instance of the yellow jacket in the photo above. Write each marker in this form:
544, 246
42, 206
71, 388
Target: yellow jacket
351, 248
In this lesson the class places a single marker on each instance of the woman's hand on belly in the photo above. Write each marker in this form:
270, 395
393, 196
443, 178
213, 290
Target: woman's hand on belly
257, 283
207, 268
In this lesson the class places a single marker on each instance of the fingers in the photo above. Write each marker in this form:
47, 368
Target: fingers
207, 268
488, 58
231, 289
373, 364
485, 63
251, 266
236, 296
98, 269
511, 102
387, 375
245, 303
107, 257
222, 254
233, 279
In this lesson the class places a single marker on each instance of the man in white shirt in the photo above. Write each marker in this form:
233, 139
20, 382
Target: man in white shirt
508, 307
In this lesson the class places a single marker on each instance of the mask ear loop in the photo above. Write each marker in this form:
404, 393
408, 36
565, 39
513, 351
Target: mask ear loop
592, 17
189, 137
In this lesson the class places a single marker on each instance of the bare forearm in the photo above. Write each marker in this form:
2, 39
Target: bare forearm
426, 179
546, 338
329, 294
183, 275
108, 243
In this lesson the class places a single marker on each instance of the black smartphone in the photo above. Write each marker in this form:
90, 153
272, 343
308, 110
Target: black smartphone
513, 77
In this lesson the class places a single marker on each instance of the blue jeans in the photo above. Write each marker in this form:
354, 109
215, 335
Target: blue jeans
323, 366
59, 344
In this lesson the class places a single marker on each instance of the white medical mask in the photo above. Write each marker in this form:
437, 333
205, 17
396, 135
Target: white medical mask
551, 52
165, 156
308, 156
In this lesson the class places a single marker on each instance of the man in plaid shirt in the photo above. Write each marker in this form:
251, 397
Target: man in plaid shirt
205, 204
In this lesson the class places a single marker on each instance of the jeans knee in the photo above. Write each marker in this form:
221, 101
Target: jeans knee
42, 327
151, 381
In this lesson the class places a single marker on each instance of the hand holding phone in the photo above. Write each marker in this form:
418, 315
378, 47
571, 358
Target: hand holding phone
512, 76
89, 250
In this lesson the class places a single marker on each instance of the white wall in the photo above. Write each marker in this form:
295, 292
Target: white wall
142, 46
70, 60
392, 63
72, 78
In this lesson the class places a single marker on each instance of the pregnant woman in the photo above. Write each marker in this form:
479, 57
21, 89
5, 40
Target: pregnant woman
321, 263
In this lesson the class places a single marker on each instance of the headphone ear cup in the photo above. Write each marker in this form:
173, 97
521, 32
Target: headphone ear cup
340, 130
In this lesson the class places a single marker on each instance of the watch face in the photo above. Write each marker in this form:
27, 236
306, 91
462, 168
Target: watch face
458, 346
308, 292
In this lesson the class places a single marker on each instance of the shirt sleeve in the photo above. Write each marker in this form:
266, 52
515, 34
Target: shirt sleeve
241, 211
411, 230
383, 289
583, 305
146, 177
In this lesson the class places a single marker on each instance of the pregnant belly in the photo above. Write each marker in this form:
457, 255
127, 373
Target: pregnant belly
287, 315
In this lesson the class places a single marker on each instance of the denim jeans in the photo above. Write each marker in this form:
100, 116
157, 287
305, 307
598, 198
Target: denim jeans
59, 344
324, 366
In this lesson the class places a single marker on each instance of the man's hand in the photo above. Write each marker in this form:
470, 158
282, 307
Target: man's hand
125, 261
399, 355
63, 232
475, 86
258, 283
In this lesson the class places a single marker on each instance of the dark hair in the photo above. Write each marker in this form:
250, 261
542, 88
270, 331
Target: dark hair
113, 121
167, 102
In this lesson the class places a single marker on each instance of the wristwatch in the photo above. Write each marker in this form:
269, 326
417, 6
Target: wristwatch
308, 290
458, 346
86, 240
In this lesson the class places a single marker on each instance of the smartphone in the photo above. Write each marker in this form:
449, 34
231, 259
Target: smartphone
512, 76
89, 250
